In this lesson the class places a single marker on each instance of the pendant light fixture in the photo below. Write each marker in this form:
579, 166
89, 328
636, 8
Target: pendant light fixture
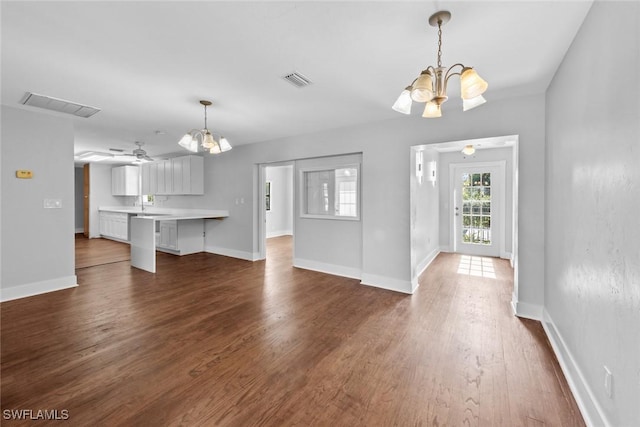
204, 138
431, 85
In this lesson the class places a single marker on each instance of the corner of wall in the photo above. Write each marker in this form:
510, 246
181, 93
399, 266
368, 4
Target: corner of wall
389, 283
337, 270
233, 253
422, 267
526, 310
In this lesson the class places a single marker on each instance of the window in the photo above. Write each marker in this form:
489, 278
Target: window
331, 193
476, 208
267, 195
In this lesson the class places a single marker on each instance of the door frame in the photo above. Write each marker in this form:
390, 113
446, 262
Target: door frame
262, 210
86, 191
453, 233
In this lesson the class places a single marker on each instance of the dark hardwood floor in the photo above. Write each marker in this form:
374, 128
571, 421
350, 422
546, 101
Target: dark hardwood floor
211, 340
92, 252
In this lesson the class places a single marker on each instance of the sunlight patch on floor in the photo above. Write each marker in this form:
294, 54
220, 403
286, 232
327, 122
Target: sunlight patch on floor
476, 266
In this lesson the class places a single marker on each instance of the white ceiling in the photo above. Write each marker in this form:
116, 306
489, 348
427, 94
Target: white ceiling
146, 64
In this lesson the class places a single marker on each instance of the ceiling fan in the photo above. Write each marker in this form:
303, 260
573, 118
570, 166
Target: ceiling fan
139, 154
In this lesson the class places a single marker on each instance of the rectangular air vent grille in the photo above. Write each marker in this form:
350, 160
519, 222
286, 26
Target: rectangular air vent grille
297, 79
60, 105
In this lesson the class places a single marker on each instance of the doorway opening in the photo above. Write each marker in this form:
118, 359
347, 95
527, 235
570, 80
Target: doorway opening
467, 201
277, 194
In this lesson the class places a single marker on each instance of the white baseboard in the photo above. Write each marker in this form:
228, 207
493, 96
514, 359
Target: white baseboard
445, 249
589, 408
279, 233
337, 270
37, 288
390, 283
422, 267
79, 230
233, 253
526, 310
506, 255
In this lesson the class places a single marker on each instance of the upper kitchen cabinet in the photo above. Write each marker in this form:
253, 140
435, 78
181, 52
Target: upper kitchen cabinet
149, 178
125, 181
188, 175
178, 176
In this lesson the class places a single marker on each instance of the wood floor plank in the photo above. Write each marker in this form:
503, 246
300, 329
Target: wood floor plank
211, 340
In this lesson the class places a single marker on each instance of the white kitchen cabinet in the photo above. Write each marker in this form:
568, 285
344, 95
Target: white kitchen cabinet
125, 181
177, 165
178, 176
114, 225
150, 178
187, 175
168, 238
163, 177
181, 237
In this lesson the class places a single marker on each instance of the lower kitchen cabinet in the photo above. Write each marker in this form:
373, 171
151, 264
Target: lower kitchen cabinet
180, 237
114, 225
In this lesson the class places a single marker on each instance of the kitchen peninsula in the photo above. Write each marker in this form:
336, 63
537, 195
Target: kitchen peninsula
176, 231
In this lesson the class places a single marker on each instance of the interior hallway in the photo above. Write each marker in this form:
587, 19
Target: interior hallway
216, 340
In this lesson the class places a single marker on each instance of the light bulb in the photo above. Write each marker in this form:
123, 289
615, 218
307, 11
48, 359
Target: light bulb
423, 88
471, 84
432, 110
403, 103
468, 104
224, 144
208, 141
215, 149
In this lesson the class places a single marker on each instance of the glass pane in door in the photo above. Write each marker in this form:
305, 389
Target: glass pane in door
476, 208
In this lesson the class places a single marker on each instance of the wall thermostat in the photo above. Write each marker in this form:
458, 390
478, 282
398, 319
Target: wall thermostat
24, 174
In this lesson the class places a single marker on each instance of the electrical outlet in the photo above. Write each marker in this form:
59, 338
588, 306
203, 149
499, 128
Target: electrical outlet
608, 382
52, 203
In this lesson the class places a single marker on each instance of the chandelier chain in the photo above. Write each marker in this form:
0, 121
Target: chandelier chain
439, 43
205, 117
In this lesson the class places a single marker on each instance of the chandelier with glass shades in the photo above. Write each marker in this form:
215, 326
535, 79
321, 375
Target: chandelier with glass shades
203, 138
431, 85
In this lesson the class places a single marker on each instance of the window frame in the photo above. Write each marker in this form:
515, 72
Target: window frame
302, 191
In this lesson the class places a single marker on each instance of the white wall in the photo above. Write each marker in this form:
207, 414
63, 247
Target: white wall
425, 206
78, 189
481, 155
386, 240
330, 245
37, 243
279, 220
592, 280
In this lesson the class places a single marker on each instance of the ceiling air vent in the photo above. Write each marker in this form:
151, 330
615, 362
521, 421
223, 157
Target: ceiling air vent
60, 105
297, 79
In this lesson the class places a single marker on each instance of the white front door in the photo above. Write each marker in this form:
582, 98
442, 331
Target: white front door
477, 209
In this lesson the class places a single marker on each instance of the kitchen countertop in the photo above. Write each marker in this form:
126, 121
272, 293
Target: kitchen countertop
166, 213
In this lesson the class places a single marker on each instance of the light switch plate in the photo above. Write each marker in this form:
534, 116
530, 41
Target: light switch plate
52, 203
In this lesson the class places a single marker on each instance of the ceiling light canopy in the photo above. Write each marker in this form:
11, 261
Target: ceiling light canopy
195, 138
468, 150
431, 85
